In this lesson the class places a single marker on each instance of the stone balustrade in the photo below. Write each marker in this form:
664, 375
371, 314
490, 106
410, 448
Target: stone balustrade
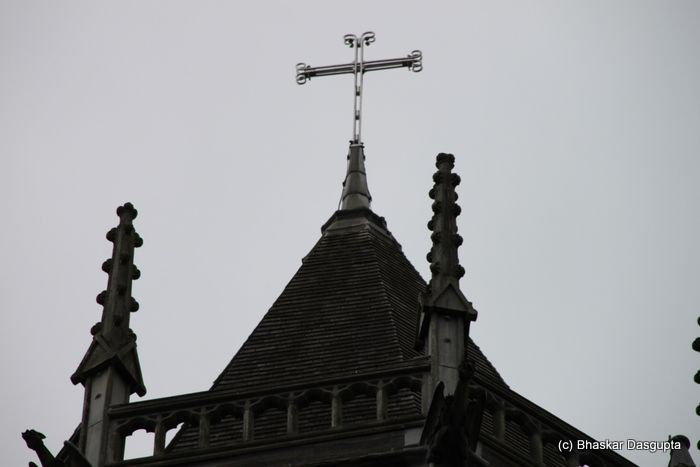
201, 412
512, 420
198, 414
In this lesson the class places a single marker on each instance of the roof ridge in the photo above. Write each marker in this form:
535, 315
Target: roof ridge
348, 266
384, 294
487, 361
406, 348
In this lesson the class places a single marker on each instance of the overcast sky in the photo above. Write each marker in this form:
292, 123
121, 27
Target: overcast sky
576, 130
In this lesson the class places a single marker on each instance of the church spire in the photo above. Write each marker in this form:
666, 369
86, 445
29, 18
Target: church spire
110, 370
355, 191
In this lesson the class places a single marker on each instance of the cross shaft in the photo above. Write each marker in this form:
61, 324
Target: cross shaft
414, 62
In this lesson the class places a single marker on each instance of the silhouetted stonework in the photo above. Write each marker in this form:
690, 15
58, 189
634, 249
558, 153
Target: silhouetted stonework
359, 362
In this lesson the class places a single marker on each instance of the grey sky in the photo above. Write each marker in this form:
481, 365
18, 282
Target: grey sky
576, 128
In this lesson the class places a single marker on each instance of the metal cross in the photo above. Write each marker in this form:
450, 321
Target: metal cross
414, 62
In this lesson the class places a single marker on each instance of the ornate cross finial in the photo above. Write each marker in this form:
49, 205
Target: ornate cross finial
414, 62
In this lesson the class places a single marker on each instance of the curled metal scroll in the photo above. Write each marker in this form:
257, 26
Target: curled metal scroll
367, 37
417, 64
301, 73
351, 40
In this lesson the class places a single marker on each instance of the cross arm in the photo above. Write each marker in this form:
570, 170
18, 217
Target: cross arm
414, 62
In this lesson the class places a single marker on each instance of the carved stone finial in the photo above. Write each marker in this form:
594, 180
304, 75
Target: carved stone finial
443, 289
112, 338
681, 457
128, 209
444, 260
445, 312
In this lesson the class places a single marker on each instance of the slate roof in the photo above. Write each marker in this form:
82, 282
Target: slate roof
351, 308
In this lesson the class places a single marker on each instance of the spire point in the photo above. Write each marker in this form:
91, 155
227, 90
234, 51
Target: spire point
128, 209
355, 190
444, 157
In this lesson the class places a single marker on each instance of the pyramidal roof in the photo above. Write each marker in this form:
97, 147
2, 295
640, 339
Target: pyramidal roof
351, 308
